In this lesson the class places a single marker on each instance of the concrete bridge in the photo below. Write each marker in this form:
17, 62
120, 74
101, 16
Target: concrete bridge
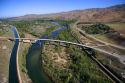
33, 40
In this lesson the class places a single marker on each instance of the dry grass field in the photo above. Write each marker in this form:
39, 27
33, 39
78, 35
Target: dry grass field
120, 27
5, 51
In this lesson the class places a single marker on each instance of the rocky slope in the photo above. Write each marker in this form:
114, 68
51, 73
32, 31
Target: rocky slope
109, 14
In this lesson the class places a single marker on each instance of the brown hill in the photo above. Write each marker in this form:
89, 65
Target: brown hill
109, 14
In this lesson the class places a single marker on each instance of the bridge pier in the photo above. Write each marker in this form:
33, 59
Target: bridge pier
67, 45
47, 42
62, 44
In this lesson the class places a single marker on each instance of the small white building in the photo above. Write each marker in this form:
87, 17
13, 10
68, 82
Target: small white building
26, 41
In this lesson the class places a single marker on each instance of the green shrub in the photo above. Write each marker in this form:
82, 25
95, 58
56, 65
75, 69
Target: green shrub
98, 28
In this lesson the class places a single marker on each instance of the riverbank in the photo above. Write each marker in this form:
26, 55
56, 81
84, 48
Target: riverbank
24, 47
14, 74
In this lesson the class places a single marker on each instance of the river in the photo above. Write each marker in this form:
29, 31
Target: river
13, 76
33, 59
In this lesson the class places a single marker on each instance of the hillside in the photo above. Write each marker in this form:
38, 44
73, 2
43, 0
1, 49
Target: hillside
110, 14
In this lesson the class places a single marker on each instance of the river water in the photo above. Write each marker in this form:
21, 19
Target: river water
13, 76
33, 59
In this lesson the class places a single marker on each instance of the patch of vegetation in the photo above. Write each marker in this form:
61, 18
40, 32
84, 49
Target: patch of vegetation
104, 37
66, 35
23, 67
80, 68
22, 61
22, 26
22, 35
63, 22
98, 28
1, 33
49, 30
36, 27
57, 48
